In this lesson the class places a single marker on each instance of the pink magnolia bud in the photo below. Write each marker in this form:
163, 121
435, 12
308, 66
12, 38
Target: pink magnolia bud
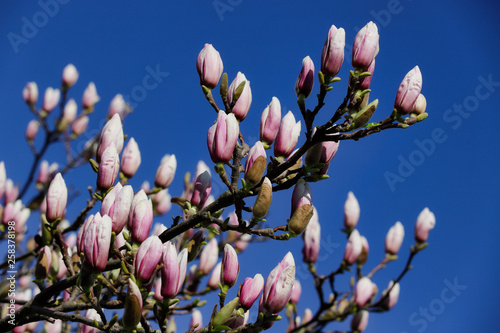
351, 211
239, 321
53, 170
43, 173
80, 125
108, 203
270, 121
420, 105
293, 324
364, 291
264, 199
254, 175
233, 235
149, 255
213, 282
323, 153
11, 212
43, 205
111, 135
50, 99
69, 75
208, 257
30, 93
300, 219
366, 46
133, 306
131, 159
92, 315
360, 321
242, 105
142, 219
117, 205
32, 130
166, 171
43, 263
157, 296
408, 91
158, 229
312, 238
196, 320
117, 106
242, 242
3, 178
69, 114
394, 238
57, 197
301, 195
296, 292
425, 223
333, 51
90, 148
61, 272
53, 327
288, 135
278, 286
364, 82
11, 191
162, 203
21, 218
96, 241
209, 66
8, 213
108, 169
305, 81
192, 277
230, 267
70, 240
222, 137
308, 316
139, 196
80, 237
250, 291
171, 325
353, 248
90, 96
120, 242
393, 297
202, 185
174, 270
364, 252
201, 167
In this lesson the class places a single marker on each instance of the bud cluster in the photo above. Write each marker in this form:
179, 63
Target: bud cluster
109, 255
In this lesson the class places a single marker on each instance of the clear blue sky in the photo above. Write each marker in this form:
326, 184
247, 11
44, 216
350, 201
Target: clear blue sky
455, 44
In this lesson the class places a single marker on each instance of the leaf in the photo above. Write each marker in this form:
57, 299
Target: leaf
213, 230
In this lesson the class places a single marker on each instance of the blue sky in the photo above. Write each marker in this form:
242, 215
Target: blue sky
454, 43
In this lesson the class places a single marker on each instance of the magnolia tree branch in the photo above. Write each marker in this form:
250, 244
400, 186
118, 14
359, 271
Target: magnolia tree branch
114, 268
